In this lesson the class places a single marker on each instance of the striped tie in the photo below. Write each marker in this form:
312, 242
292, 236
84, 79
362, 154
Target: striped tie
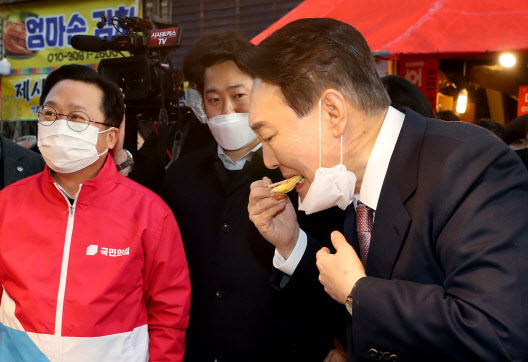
364, 218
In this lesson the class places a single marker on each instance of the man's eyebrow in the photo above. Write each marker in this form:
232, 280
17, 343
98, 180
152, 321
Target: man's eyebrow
258, 125
212, 90
78, 106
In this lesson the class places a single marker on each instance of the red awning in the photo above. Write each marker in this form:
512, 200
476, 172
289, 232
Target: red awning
424, 26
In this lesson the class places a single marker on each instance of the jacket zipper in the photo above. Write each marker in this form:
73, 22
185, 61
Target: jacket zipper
56, 353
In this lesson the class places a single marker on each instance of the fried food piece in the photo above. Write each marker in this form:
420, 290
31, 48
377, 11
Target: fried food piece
287, 186
15, 38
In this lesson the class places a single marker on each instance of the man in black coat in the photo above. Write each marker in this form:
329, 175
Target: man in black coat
236, 315
434, 262
17, 162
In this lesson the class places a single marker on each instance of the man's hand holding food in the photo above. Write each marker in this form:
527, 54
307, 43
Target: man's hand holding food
275, 218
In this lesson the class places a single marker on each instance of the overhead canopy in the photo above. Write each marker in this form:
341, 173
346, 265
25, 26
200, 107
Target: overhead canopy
424, 26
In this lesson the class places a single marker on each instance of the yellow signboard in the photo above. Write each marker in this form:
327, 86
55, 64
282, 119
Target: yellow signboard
37, 35
20, 97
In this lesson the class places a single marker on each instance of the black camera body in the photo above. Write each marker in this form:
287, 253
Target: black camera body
152, 88
147, 73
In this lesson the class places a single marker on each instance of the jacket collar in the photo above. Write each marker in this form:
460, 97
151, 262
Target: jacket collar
104, 182
253, 170
392, 219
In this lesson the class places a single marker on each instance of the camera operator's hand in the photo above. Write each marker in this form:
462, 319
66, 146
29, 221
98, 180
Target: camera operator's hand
338, 354
335, 356
274, 217
118, 153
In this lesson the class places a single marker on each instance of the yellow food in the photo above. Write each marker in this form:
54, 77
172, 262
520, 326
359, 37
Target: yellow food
287, 186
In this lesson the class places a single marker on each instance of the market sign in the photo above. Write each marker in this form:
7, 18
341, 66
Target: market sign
522, 107
37, 35
423, 73
20, 97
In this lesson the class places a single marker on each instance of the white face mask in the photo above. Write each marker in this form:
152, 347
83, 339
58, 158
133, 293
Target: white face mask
232, 131
67, 151
331, 186
194, 101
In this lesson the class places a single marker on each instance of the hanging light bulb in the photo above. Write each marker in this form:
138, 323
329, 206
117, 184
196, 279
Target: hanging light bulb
507, 60
462, 101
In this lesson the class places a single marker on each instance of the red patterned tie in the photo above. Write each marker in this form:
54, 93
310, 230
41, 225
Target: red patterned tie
364, 218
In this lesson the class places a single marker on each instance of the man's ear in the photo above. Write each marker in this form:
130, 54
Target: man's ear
334, 107
112, 137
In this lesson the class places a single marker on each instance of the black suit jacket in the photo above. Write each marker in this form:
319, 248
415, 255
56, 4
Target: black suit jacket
447, 266
236, 315
18, 162
523, 154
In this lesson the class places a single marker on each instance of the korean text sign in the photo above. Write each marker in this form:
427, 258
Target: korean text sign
20, 97
38, 35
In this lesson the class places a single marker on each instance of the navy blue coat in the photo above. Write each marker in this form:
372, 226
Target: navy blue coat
446, 271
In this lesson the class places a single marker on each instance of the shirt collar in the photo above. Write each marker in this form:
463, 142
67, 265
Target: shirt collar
239, 165
63, 191
104, 182
380, 156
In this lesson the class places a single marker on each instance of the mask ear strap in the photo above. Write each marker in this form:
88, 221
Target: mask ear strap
106, 130
102, 153
341, 150
320, 147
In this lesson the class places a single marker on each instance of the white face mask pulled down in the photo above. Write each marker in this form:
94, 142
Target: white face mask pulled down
331, 186
194, 100
68, 151
232, 131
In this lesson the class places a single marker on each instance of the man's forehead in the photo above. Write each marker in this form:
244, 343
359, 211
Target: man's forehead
226, 70
267, 88
73, 105
75, 88
266, 101
265, 95
76, 95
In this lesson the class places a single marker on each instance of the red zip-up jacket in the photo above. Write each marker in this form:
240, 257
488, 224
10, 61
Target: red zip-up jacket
102, 279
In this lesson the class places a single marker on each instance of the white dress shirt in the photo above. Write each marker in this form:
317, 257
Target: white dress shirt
369, 193
239, 165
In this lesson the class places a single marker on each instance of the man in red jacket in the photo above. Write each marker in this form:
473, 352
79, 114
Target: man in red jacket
92, 266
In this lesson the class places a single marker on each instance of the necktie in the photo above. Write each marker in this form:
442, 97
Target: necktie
364, 218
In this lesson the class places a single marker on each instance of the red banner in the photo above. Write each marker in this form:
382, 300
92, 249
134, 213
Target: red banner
523, 100
422, 72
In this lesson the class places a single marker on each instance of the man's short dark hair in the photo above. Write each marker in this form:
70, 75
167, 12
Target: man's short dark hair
403, 93
192, 69
448, 115
112, 106
516, 129
493, 126
308, 56
230, 45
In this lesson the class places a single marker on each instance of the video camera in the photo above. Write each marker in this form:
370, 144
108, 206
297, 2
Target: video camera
152, 88
147, 72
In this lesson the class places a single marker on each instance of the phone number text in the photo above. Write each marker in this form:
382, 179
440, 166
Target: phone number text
80, 55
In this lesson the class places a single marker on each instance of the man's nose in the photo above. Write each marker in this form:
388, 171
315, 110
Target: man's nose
270, 161
229, 107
